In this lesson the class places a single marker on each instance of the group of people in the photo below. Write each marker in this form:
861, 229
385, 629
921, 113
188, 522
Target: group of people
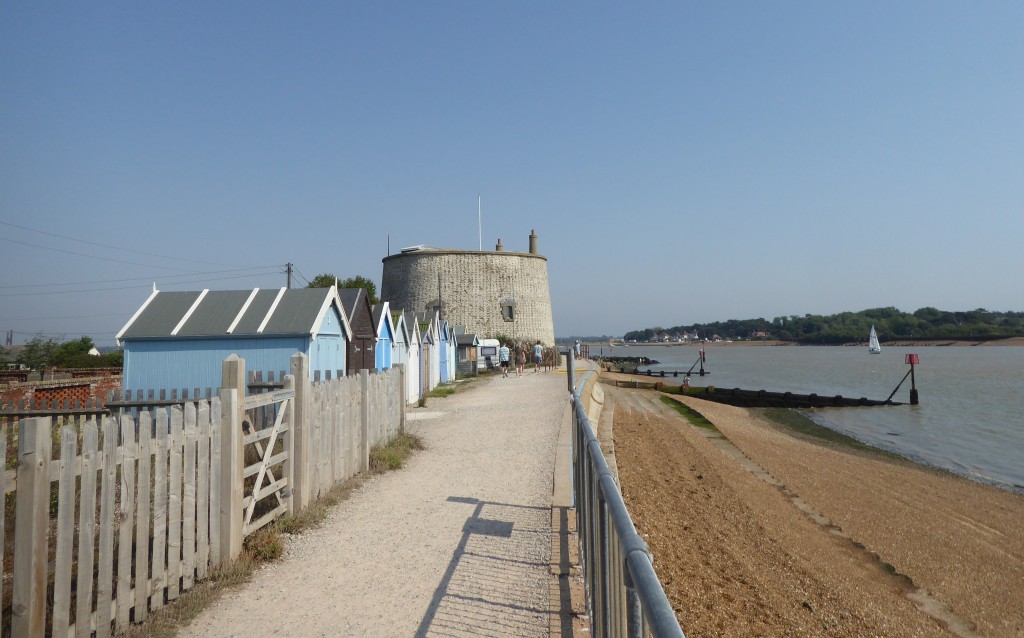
542, 357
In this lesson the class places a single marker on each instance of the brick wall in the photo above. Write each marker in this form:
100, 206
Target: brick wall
77, 390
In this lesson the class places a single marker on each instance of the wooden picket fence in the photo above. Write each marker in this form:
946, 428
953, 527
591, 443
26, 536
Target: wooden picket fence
127, 512
132, 527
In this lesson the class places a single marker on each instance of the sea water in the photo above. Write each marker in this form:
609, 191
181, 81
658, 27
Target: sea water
970, 419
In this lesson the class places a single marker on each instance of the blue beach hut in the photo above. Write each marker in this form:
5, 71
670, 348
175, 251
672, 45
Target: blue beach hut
180, 339
384, 354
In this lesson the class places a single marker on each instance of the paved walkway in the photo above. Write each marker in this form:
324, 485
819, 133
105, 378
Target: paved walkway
457, 543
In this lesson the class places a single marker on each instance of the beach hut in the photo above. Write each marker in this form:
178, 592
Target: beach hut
406, 352
466, 347
179, 340
385, 329
362, 353
431, 351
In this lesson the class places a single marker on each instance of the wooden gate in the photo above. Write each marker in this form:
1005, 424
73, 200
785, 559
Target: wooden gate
267, 420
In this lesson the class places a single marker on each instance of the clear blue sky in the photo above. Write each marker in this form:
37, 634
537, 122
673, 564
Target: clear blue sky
681, 162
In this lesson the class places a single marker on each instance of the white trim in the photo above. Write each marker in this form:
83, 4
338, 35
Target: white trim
332, 299
270, 313
195, 304
152, 295
241, 313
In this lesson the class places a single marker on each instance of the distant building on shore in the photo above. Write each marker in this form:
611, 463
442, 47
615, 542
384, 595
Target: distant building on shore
492, 293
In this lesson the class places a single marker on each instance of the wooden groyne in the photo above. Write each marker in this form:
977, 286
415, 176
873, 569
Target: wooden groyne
764, 399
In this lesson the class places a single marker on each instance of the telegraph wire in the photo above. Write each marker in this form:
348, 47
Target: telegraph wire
118, 248
117, 261
299, 273
136, 279
146, 285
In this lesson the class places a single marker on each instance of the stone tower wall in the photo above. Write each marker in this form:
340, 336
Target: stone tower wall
473, 283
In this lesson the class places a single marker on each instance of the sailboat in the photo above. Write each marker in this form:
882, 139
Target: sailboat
873, 346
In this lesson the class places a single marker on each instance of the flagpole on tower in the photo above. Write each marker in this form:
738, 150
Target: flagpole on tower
479, 225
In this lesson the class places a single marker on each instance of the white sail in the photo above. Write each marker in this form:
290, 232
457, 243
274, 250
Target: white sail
873, 345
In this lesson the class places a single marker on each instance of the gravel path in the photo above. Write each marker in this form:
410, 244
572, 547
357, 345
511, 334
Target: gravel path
457, 543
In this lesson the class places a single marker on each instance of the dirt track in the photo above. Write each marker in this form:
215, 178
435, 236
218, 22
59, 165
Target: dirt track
757, 533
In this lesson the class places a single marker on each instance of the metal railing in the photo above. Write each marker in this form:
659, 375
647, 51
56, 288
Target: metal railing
624, 595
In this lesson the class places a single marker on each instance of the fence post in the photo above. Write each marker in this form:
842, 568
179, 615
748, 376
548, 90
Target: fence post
232, 397
402, 396
300, 445
28, 601
364, 384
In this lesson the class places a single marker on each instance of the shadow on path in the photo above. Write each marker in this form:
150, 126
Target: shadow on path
497, 582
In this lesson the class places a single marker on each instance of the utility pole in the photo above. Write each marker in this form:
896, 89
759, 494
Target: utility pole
288, 270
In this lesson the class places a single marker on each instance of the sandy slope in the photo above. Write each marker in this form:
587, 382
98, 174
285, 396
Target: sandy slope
755, 532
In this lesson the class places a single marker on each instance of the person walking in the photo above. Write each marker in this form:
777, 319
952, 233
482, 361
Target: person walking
520, 359
538, 356
503, 356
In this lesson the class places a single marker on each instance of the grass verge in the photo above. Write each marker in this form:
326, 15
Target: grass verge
442, 391
267, 545
694, 417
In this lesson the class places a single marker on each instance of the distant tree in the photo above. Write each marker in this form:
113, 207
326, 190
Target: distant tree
327, 280
38, 352
114, 359
75, 354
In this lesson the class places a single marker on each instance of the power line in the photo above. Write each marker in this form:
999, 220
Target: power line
147, 279
63, 316
72, 252
299, 273
174, 283
118, 248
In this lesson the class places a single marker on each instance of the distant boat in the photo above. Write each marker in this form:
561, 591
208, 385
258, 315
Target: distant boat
873, 346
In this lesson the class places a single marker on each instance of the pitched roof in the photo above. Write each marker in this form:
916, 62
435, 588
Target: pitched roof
382, 318
351, 298
220, 313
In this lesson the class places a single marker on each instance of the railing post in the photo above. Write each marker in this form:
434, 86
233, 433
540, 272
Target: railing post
570, 372
32, 503
300, 445
634, 612
232, 397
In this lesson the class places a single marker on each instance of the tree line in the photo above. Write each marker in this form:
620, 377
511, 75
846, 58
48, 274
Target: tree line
928, 324
42, 352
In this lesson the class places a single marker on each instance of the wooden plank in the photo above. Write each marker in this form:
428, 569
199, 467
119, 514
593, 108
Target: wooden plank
105, 562
262, 435
86, 531
266, 491
64, 557
160, 443
215, 479
259, 400
203, 490
126, 523
28, 592
263, 466
143, 485
3, 515
280, 510
188, 517
174, 505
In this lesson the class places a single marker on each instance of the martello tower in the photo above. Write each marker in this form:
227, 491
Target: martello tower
490, 292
